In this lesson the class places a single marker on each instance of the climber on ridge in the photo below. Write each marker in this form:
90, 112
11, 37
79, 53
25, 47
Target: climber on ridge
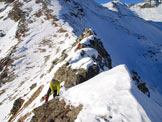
54, 88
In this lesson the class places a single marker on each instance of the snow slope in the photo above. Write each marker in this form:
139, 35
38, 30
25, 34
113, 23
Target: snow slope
153, 13
129, 40
112, 96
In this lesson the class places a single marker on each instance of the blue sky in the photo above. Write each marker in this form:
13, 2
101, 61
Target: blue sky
124, 1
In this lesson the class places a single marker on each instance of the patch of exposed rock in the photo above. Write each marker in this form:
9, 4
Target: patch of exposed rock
17, 105
140, 84
22, 29
55, 111
5, 76
18, 108
16, 13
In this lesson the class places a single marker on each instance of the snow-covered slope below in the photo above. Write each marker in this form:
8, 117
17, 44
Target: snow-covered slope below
112, 96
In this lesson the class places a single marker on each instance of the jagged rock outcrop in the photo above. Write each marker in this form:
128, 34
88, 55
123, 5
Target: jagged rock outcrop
88, 45
140, 84
73, 77
55, 111
103, 58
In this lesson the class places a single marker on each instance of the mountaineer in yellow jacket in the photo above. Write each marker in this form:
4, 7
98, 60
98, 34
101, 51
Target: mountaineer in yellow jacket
54, 88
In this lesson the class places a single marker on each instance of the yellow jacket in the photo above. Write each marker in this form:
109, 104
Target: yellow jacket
55, 86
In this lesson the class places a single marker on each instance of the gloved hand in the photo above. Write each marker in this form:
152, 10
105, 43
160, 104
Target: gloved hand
46, 98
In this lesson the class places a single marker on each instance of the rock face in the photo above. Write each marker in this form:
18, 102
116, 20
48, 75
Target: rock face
55, 111
100, 60
74, 76
16, 13
5, 76
140, 84
17, 105
103, 58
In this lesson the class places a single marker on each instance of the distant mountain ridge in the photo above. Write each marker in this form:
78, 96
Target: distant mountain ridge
148, 13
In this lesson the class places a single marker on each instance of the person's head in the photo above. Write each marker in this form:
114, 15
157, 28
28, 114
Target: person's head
53, 81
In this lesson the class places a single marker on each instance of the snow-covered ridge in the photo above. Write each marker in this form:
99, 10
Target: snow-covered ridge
112, 96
